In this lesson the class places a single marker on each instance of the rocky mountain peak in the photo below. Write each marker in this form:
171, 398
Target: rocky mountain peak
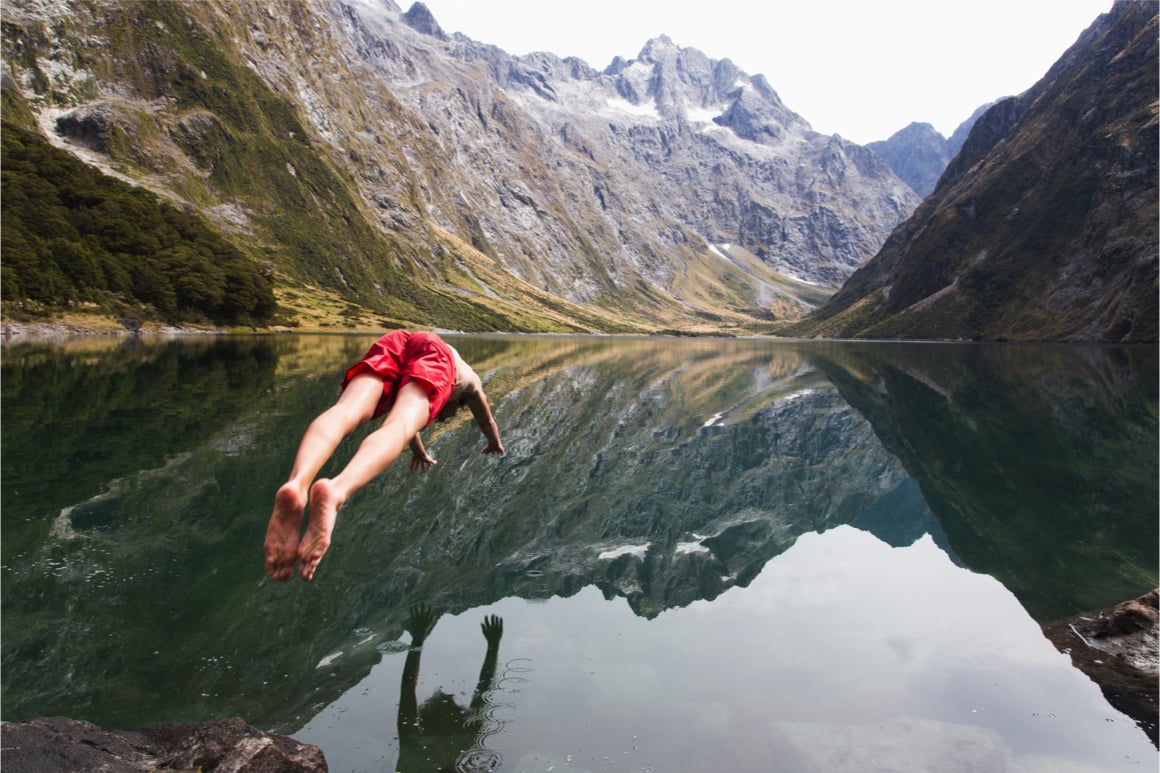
919, 154
658, 49
755, 113
669, 187
685, 84
419, 18
919, 132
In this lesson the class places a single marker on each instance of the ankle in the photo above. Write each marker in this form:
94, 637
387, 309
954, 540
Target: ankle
295, 489
330, 491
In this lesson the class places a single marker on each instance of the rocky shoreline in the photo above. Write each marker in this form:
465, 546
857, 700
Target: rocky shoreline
12, 332
55, 744
1119, 649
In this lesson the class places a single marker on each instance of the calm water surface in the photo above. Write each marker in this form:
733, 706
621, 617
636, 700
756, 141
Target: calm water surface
706, 555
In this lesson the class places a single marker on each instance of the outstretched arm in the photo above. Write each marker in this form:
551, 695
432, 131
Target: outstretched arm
420, 459
477, 401
422, 621
471, 389
492, 631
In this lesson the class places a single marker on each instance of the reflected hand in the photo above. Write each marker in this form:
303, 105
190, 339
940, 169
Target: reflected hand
492, 626
420, 463
422, 621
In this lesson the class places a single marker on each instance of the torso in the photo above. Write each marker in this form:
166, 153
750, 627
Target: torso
466, 380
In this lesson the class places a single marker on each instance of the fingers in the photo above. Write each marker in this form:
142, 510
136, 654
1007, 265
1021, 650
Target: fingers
492, 626
421, 465
422, 621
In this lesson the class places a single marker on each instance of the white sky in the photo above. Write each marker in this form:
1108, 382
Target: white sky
860, 68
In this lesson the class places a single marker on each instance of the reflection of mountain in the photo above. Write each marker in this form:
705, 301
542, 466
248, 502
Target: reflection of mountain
664, 473
111, 492
660, 471
113, 412
1040, 463
622, 484
901, 517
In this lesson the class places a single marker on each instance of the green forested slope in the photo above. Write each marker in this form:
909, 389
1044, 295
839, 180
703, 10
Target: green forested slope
76, 237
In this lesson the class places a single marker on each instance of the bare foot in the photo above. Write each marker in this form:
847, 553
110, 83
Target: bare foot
281, 545
324, 504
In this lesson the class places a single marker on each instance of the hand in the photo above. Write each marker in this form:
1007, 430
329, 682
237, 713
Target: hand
422, 621
492, 626
493, 448
420, 462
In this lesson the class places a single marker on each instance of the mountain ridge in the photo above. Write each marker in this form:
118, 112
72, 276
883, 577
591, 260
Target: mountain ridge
918, 154
385, 173
1044, 226
360, 153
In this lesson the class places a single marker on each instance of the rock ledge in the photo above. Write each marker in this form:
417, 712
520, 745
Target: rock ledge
54, 744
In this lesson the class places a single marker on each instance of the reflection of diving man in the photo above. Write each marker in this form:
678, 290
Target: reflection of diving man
441, 735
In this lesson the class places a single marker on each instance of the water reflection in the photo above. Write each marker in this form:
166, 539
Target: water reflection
1039, 462
842, 653
439, 734
668, 474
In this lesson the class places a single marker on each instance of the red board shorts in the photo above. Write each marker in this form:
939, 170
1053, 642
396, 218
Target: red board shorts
402, 356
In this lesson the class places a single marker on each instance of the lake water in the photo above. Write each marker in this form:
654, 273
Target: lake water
706, 554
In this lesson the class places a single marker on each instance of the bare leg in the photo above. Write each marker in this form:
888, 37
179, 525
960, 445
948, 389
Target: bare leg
378, 451
355, 406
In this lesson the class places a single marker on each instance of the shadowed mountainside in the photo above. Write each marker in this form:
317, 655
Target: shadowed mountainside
1044, 227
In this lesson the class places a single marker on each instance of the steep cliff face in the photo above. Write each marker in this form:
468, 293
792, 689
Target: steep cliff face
659, 160
363, 152
1045, 224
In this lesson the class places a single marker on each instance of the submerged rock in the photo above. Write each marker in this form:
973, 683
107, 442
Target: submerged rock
54, 744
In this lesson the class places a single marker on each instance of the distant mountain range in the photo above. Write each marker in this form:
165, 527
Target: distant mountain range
375, 163
378, 171
918, 154
1044, 226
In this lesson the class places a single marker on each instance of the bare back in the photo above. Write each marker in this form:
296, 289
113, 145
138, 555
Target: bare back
467, 382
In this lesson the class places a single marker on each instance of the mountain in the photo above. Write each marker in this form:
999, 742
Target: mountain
1044, 226
384, 172
918, 154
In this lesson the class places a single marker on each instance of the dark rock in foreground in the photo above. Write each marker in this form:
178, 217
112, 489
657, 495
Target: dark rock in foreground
55, 744
1118, 649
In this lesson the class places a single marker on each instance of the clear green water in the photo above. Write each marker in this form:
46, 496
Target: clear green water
707, 555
